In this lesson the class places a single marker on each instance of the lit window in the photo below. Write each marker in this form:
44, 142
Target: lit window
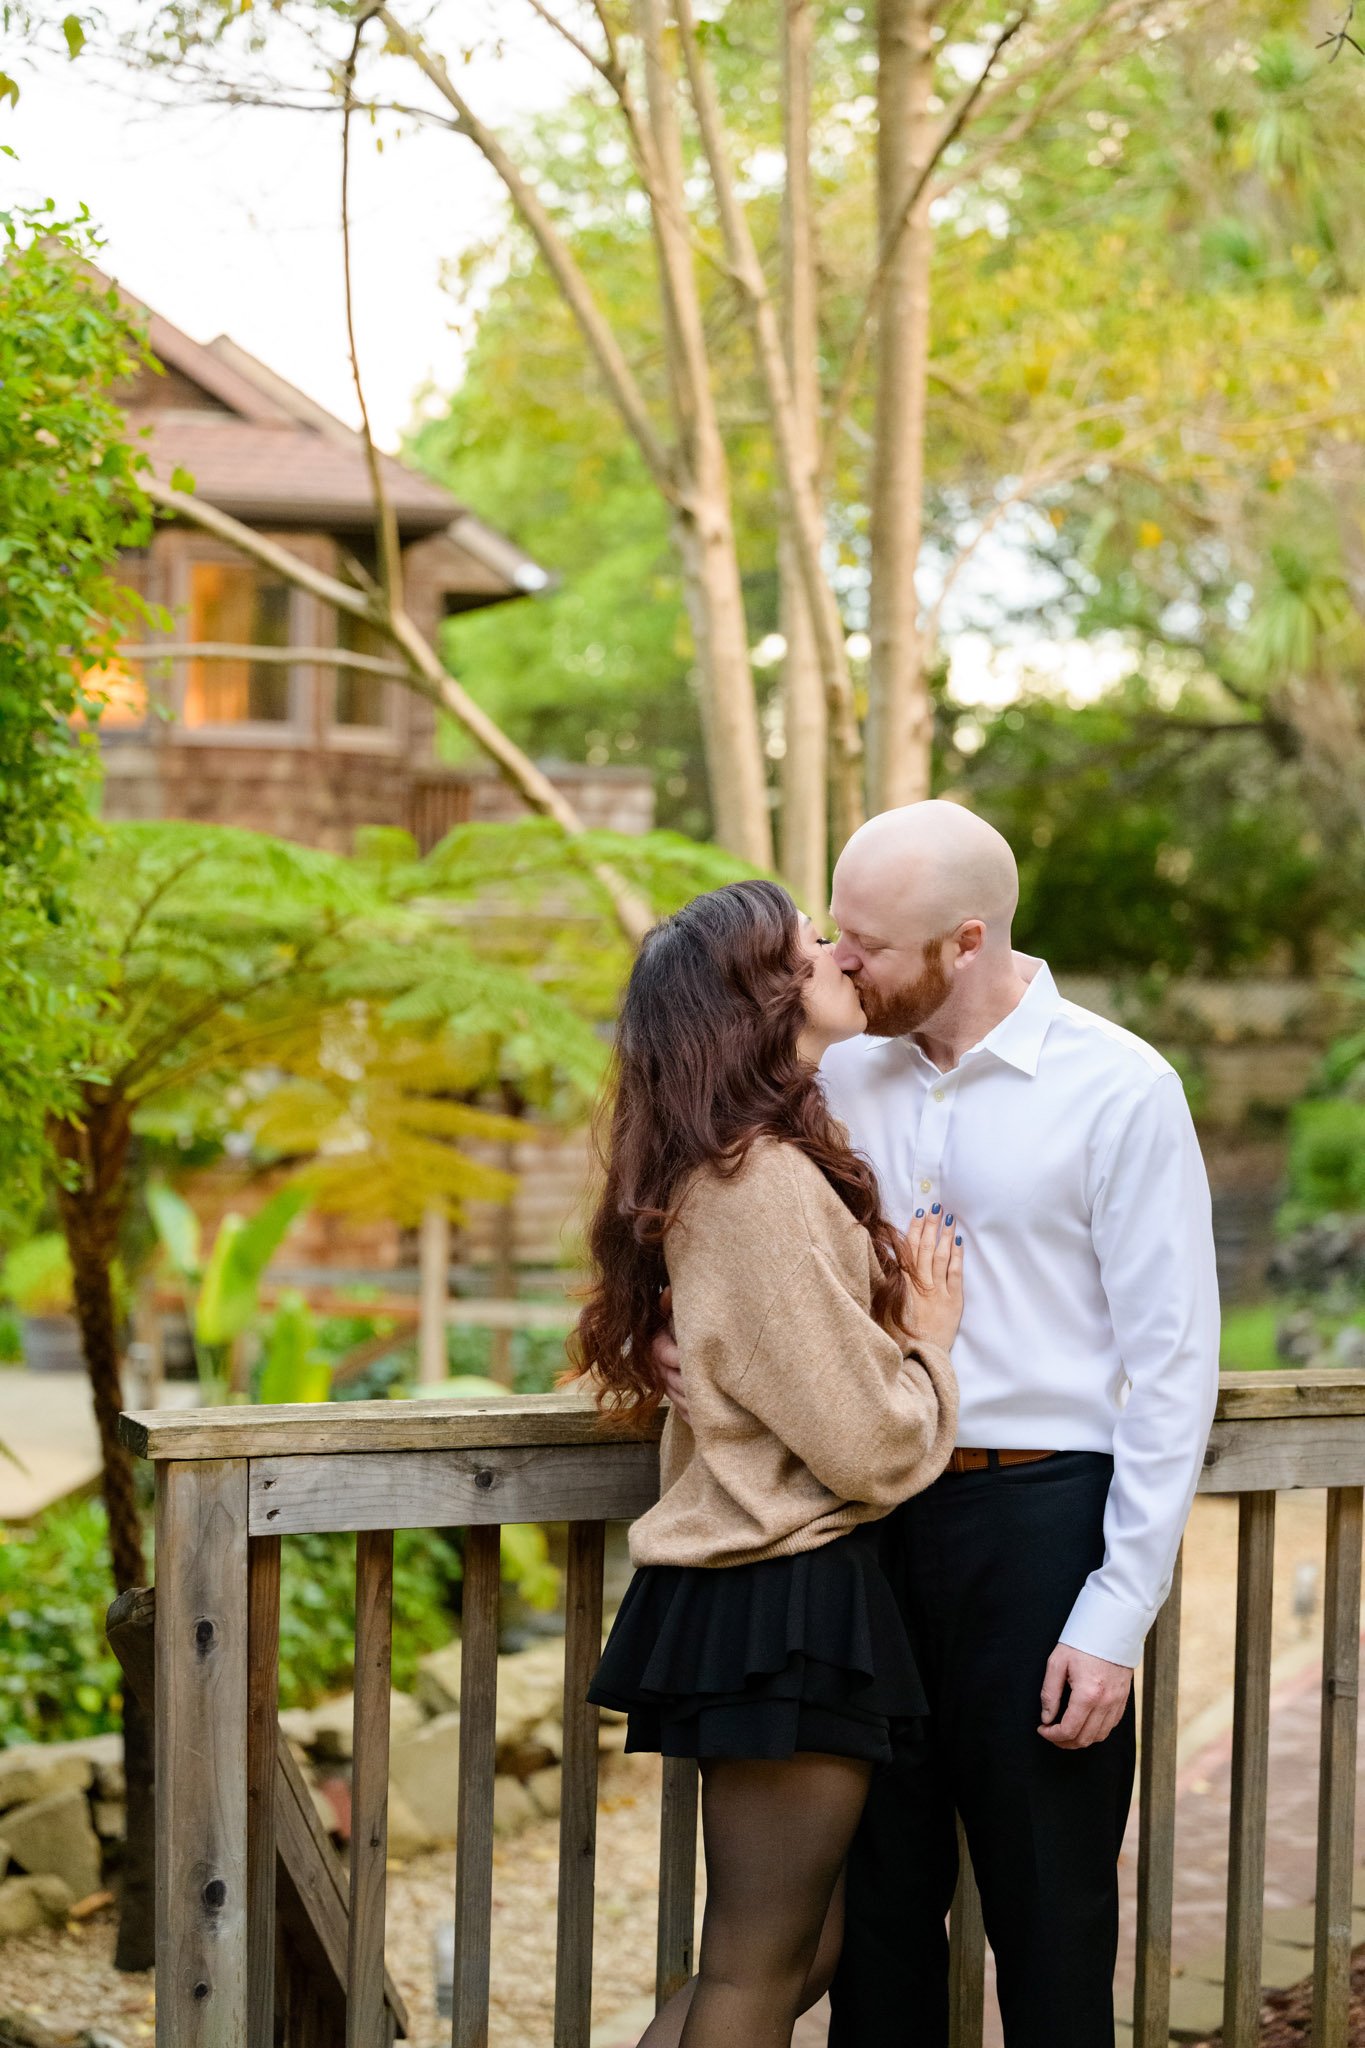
361, 698
234, 604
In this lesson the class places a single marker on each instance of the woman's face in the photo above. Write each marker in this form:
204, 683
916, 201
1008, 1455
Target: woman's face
833, 1011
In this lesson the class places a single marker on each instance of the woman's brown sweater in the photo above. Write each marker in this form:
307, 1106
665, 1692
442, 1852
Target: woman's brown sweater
807, 1417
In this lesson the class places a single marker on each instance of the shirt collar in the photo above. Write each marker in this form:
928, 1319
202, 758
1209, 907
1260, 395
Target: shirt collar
1018, 1038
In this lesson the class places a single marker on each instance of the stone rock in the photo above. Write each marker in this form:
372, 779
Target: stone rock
28, 1902
547, 1790
332, 1724
300, 1725
425, 1766
1348, 1347
1296, 1340
111, 1819
521, 1758
549, 1733
39, 1771
513, 1806
530, 1690
438, 1680
54, 1836
110, 1781
4, 1856
611, 1737
408, 1836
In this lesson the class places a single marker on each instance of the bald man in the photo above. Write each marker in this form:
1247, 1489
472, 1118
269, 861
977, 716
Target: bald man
1062, 1150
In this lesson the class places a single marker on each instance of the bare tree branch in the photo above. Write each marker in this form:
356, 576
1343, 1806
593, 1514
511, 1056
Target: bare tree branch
564, 268
387, 551
953, 122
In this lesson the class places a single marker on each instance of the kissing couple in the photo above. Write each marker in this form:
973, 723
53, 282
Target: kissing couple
921, 1255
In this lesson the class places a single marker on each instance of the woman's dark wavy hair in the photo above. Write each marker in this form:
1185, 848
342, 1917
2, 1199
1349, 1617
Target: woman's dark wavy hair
705, 1063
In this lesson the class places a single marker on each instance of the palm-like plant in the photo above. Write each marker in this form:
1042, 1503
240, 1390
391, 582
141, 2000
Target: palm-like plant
366, 1002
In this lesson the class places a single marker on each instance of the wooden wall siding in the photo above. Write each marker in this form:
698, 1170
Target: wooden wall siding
548, 1213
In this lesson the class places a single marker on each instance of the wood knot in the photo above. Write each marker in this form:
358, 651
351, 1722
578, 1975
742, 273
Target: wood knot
483, 1480
201, 1990
215, 1892
203, 1632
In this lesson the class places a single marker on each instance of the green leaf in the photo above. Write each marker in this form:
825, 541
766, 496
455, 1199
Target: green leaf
292, 1370
242, 1250
73, 28
182, 480
176, 1225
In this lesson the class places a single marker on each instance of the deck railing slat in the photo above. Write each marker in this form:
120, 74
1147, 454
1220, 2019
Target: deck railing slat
966, 1955
677, 1877
1156, 1823
262, 1739
478, 1762
1250, 1760
366, 2021
578, 1808
201, 1773
1337, 1769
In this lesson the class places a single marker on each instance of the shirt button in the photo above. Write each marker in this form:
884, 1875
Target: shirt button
925, 1186
938, 1095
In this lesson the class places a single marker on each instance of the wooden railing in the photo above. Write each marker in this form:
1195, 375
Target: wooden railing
243, 1881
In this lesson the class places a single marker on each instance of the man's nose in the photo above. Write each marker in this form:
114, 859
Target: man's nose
844, 956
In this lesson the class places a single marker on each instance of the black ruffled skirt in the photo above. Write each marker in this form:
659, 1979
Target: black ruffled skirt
761, 1660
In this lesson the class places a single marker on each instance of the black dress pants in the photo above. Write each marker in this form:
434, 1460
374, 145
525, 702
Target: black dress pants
988, 1565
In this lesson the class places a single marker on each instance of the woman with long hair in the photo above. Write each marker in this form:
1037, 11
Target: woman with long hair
759, 1633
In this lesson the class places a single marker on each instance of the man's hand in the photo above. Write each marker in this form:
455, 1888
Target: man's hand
664, 1351
1099, 1694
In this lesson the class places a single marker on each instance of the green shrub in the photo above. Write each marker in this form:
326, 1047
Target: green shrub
1326, 1160
58, 1677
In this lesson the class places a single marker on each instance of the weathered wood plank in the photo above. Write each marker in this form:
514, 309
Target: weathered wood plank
1250, 1756
201, 1755
453, 1489
325, 1427
1299, 1451
262, 1740
369, 1788
1156, 1824
578, 1810
1337, 1770
310, 1885
966, 1956
478, 1759
677, 1877
1267, 1395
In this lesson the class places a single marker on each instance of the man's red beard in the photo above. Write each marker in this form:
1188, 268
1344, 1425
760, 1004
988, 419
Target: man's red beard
894, 1012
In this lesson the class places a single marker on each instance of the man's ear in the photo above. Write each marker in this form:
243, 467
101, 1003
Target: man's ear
970, 939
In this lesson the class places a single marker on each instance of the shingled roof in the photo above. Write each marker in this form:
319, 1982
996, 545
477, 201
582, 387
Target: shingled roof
262, 450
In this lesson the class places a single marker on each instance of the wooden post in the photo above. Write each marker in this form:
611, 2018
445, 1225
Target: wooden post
433, 1280
966, 1956
1337, 1770
201, 1754
677, 1877
1250, 1757
478, 1760
578, 1810
1156, 1825
262, 1743
369, 1788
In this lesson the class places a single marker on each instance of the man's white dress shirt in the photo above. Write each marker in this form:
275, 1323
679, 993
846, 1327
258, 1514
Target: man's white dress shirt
1064, 1150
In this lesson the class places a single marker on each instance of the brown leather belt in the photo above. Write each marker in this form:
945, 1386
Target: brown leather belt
981, 1461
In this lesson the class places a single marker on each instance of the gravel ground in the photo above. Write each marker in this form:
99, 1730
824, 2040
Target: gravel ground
66, 1975
1287, 2016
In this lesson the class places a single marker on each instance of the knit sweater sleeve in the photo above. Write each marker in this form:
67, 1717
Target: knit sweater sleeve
762, 1310
871, 1423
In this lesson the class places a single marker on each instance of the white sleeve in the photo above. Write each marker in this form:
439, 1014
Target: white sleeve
1152, 1228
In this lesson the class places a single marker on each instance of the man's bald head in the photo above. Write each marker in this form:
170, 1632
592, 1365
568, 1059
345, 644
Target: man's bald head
905, 885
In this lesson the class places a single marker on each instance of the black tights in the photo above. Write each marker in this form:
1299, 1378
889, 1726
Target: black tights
775, 1835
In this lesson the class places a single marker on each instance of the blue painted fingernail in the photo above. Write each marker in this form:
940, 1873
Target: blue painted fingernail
919, 1212
946, 1221
957, 1240
937, 1207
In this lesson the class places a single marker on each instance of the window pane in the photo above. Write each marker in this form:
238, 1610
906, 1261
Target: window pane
360, 698
236, 604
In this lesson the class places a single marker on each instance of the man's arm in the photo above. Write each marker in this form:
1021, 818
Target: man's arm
1152, 1229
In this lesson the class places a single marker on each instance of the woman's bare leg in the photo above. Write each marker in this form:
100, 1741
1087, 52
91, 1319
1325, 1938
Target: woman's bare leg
776, 1835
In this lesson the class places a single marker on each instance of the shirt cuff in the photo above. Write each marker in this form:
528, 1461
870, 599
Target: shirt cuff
1104, 1626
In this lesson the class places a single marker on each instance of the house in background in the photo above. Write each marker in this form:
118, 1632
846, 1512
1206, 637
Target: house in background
299, 746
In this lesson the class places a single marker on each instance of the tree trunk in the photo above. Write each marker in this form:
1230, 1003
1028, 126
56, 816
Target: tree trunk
96, 1154
805, 764
899, 723
703, 525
